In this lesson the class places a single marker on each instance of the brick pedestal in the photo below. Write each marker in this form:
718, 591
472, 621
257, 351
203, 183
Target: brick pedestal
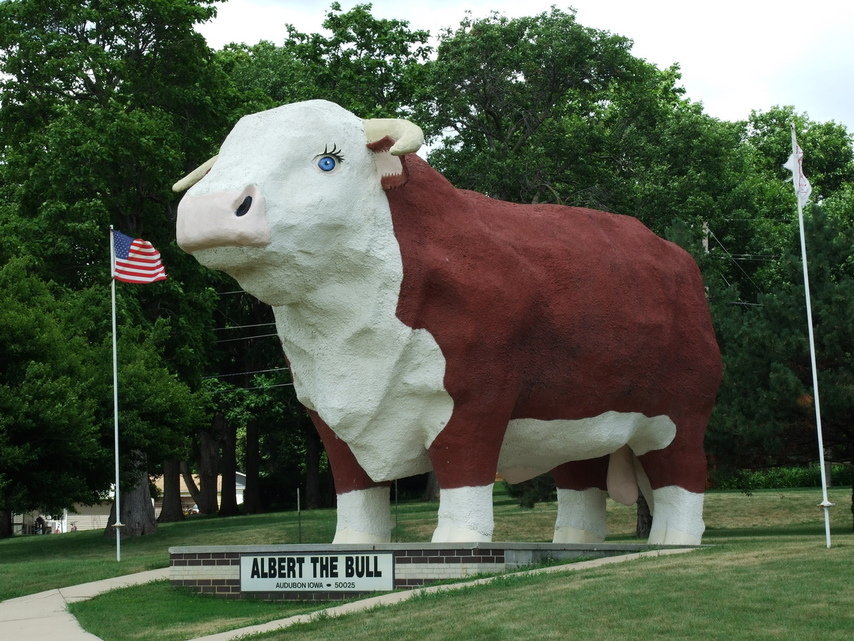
216, 569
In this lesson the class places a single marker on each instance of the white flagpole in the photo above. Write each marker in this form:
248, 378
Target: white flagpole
801, 191
118, 524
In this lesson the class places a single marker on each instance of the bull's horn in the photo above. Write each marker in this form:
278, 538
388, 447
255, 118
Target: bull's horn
408, 136
194, 176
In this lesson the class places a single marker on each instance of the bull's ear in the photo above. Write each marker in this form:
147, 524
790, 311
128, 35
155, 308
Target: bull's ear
391, 169
194, 176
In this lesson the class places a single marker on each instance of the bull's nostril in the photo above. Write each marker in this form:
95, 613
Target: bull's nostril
244, 206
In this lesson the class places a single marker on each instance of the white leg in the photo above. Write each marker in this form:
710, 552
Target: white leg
580, 516
465, 515
677, 517
364, 516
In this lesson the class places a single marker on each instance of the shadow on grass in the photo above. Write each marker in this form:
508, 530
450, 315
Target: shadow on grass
805, 529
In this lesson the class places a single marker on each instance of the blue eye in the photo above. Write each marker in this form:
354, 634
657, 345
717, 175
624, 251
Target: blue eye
327, 163
329, 159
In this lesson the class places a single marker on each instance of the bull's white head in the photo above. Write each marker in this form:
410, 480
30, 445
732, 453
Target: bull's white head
293, 190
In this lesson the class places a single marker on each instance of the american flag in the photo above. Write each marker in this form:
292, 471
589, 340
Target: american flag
136, 260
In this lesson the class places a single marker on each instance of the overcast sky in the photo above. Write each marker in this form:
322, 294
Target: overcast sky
735, 55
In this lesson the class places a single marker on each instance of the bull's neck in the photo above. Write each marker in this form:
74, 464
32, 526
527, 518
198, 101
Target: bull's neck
356, 295
335, 329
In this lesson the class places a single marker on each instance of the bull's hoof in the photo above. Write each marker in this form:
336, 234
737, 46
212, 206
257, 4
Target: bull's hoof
465, 515
673, 537
580, 516
455, 534
354, 536
569, 534
677, 517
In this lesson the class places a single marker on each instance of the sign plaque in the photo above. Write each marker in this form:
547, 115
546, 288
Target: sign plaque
319, 572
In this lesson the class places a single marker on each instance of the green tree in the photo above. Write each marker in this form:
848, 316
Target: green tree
368, 65
156, 411
51, 451
829, 161
765, 413
758, 223
102, 106
499, 90
544, 109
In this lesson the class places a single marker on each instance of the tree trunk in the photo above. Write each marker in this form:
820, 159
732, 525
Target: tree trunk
251, 497
190, 482
312, 466
431, 492
852, 496
137, 511
172, 509
644, 521
208, 472
5, 524
228, 493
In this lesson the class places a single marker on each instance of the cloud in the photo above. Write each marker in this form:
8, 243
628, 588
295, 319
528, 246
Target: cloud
735, 55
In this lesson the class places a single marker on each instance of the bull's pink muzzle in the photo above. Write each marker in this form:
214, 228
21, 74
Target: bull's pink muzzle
223, 219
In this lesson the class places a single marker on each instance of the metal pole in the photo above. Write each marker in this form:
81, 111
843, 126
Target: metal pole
118, 524
299, 517
825, 503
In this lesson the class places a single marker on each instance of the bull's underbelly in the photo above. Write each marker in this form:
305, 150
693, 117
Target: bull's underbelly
530, 447
533, 447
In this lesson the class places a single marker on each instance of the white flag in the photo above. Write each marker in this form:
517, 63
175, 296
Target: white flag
795, 164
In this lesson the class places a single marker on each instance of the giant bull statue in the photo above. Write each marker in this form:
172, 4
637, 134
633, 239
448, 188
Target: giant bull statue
429, 327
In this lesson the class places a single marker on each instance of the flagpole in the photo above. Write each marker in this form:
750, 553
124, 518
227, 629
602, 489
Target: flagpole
118, 524
797, 175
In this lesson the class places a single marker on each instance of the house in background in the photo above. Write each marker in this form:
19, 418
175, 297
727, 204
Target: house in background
188, 503
95, 517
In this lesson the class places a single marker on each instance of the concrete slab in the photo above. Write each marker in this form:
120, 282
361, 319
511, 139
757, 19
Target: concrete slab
46, 612
38, 615
86, 591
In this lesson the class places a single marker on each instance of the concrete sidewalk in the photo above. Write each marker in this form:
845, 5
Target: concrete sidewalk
47, 612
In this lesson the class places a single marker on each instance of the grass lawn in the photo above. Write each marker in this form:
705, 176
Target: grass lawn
768, 576
764, 589
158, 612
35, 563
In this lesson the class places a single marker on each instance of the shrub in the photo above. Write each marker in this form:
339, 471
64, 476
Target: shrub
783, 477
538, 489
